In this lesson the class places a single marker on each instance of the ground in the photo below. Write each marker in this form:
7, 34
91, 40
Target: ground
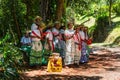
104, 64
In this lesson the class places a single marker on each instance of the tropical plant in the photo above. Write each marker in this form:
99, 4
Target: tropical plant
11, 59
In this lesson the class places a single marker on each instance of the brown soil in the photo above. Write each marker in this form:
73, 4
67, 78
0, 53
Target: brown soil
104, 64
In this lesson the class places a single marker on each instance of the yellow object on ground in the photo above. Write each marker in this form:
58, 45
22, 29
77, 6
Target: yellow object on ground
55, 63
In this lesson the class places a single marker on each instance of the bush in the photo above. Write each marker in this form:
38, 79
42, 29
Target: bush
11, 59
100, 33
116, 8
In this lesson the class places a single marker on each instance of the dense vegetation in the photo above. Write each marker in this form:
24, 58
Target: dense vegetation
16, 16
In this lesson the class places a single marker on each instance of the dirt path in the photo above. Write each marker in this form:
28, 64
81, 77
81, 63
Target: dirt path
104, 64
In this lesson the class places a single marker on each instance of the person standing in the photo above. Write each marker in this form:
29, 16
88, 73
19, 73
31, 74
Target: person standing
62, 43
26, 47
56, 37
49, 38
84, 58
70, 49
77, 40
37, 46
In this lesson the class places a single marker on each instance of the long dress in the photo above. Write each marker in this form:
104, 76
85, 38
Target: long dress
70, 48
35, 55
77, 54
62, 43
83, 49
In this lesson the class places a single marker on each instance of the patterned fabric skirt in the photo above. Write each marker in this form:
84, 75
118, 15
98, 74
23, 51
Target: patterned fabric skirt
36, 53
77, 54
37, 45
63, 48
70, 50
84, 57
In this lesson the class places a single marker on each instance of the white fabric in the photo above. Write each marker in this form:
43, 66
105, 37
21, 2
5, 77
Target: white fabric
56, 41
38, 33
62, 31
55, 31
37, 45
69, 33
82, 34
49, 35
25, 40
86, 36
70, 48
77, 38
34, 26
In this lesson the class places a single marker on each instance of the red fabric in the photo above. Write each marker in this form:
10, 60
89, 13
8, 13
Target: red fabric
35, 34
89, 41
77, 37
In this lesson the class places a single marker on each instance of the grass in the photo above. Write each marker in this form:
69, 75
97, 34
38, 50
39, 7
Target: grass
114, 36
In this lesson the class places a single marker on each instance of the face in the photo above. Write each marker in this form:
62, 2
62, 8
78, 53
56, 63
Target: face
57, 25
85, 29
77, 29
70, 26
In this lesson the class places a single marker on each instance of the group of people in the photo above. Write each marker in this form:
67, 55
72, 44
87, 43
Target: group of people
70, 42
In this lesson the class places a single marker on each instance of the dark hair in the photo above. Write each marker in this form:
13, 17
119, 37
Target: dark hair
62, 27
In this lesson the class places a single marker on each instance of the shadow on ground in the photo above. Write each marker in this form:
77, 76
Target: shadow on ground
63, 77
99, 63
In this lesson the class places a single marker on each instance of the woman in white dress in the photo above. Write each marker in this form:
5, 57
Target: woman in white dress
70, 46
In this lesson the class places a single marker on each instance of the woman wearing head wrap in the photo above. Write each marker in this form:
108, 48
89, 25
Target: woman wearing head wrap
37, 46
36, 23
70, 49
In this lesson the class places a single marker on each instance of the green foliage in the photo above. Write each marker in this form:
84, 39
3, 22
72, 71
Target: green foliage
100, 32
7, 13
11, 59
116, 8
114, 36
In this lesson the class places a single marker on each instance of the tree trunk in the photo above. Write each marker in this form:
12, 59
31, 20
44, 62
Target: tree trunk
16, 21
60, 9
45, 9
110, 7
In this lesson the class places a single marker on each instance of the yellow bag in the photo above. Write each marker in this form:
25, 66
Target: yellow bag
54, 63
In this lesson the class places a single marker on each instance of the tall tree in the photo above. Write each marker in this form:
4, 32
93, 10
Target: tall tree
110, 10
60, 9
13, 11
45, 9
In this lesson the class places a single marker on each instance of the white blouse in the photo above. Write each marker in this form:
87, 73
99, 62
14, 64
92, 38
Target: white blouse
49, 35
34, 26
37, 32
82, 34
